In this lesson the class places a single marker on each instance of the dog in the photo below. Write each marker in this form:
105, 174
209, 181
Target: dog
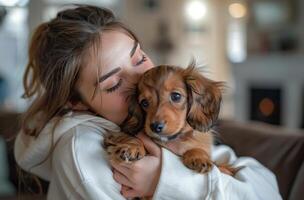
171, 104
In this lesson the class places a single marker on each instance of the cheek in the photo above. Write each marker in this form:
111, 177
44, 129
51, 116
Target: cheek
112, 103
113, 107
145, 67
148, 65
116, 103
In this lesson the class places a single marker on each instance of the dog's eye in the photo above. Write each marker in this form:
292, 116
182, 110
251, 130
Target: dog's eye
144, 103
175, 97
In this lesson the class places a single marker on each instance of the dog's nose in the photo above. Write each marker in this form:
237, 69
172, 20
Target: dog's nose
157, 127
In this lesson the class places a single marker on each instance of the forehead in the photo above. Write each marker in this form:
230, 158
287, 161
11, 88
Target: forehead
115, 48
160, 82
113, 51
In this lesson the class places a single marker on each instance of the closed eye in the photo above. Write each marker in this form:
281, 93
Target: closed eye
142, 60
115, 87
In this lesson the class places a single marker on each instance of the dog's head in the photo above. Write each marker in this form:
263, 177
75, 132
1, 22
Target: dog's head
167, 98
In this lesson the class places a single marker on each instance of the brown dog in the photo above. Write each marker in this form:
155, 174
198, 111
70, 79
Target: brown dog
171, 104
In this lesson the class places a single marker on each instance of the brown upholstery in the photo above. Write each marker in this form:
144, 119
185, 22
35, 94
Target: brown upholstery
282, 151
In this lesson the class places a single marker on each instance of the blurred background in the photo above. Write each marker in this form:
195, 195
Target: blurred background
256, 47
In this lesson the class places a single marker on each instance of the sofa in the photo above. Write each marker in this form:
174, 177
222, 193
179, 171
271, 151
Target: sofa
279, 149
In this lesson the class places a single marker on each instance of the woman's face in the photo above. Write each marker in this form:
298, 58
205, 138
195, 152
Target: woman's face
103, 87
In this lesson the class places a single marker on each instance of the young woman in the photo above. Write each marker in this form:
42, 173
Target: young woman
80, 64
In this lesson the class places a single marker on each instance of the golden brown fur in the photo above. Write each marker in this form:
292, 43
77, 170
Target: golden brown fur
172, 104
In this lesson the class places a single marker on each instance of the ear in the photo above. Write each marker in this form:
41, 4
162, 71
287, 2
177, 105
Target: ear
204, 99
134, 122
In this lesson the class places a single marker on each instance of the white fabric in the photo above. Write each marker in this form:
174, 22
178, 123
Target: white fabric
78, 167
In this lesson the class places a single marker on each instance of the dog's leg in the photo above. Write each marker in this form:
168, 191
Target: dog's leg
123, 148
198, 160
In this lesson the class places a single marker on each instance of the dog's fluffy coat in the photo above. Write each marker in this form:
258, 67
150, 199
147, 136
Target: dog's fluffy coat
184, 102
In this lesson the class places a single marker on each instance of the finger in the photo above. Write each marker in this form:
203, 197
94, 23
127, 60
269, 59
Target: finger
129, 193
151, 147
123, 168
121, 179
123, 187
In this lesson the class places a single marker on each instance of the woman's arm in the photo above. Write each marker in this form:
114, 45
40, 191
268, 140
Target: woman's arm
81, 168
76, 169
252, 182
178, 182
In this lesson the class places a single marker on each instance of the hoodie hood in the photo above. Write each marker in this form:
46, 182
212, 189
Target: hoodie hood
33, 154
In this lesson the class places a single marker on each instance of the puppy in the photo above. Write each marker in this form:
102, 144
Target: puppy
171, 104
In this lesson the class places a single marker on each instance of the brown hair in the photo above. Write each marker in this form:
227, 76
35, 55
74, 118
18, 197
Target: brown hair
58, 50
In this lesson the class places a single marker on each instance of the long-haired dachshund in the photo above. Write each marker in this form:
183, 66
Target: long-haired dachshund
171, 103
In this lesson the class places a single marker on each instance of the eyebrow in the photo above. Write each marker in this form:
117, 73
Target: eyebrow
114, 71
134, 48
107, 75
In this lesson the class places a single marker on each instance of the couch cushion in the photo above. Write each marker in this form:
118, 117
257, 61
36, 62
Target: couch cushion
281, 150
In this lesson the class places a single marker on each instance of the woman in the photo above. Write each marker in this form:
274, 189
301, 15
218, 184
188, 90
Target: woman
80, 64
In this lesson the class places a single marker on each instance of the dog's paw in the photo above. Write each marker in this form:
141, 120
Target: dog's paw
197, 160
123, 148
128, 153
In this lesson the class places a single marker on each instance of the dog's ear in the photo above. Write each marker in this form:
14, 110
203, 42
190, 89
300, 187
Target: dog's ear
204, 99
136, 116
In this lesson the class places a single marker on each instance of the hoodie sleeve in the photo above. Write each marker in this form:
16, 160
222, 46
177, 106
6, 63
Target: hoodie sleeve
76, 166
30, 152
252, 182
80, 167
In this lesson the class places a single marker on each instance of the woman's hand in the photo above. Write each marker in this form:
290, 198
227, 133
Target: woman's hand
133, 177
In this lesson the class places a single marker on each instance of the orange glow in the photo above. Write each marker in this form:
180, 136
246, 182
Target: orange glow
237, 10
266, 107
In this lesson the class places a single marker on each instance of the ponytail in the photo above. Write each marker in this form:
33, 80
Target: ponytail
31, 76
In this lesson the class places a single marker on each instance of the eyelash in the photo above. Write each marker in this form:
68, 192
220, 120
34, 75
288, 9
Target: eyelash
115, 87
144, 58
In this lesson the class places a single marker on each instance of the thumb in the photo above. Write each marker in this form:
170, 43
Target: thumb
152, 148
128, 192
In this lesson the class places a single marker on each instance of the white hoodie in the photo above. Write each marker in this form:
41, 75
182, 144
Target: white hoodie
78, 167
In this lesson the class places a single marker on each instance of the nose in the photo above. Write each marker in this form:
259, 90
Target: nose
157, 127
